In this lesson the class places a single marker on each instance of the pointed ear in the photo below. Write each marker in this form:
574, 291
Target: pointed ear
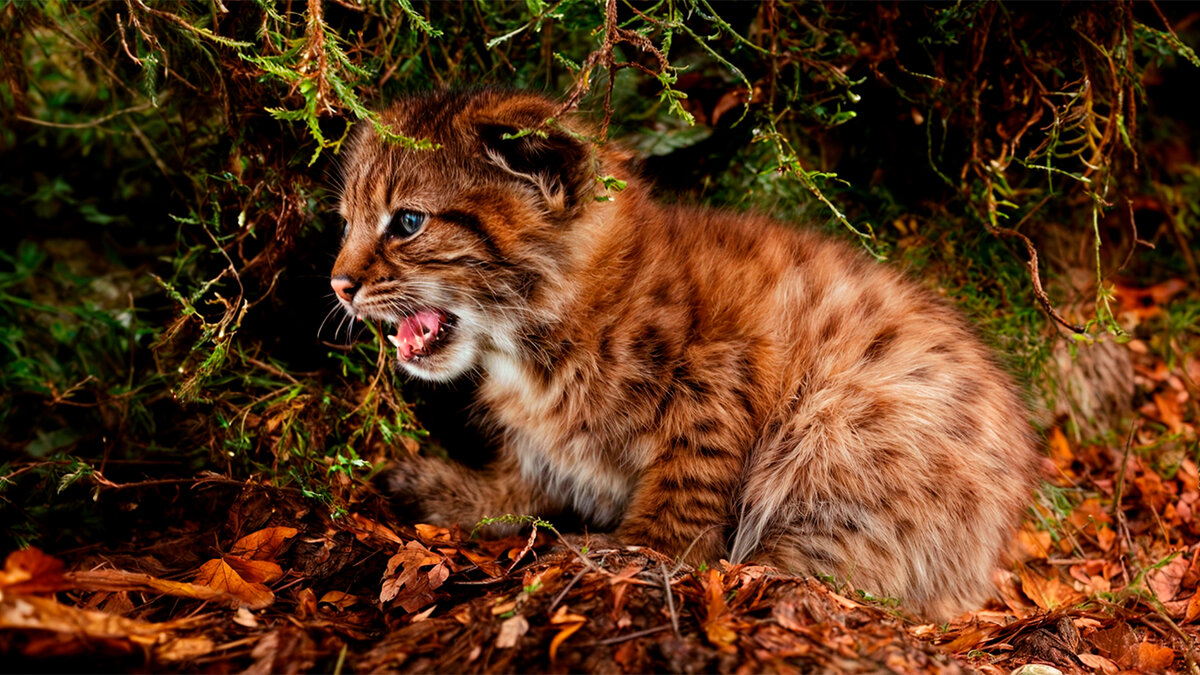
557, 162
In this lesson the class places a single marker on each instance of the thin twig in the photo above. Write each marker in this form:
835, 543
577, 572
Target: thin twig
1118, 512
625, 638
670, 601
571, 584
1036, 278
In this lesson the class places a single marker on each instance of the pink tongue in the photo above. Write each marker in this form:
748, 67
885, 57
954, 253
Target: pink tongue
416, 331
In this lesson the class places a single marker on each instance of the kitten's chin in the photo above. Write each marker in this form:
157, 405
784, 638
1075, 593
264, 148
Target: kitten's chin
448, 363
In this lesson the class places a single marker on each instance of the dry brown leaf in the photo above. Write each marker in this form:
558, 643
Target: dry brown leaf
245, 618
264, 544
31, 571
487, 563
26, 612
571, 623
438, 575
1144, 303
219, 575
511, 630
1060, 450
1089, 515
1119, 643
1099, 664
1193, 608
365, 527
1170, 410
1033, 544
424, 614
561, 637
433, 533
404, 582
342, 601
1154, 492
255, 571
1189, 476
1165, 581
120, 580
967, 640
503, 605
1046, 592
717, 619
115, 603
306, 603
183, 649
1152, 658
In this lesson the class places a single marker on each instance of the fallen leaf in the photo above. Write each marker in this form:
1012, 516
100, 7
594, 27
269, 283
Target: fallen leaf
1089, 515
571, 623
511, 630
183, 649
424, 615
116, 603
28, 612
1188, 475
342, 601
1145, 303
717, 620
967, 640
1118, 642
219, 575
485, 562
433, 533
1152, 658
1034, 544
306, 603
364, 527
1165, 581
1099, 664
264, 544
1046, 592
1037, 669
31, 571
438, 575
1060, 451
120, 580
1170, 410
255, 571
246, 618
785, 614
404, 582
1154, 493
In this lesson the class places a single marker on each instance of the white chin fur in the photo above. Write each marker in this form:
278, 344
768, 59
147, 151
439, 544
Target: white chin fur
445, 365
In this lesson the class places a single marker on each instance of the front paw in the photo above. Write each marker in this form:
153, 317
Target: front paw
401, 482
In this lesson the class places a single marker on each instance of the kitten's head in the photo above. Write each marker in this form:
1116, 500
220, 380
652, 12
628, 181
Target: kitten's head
452, 247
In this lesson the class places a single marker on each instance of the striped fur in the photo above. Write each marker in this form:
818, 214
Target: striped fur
706, 383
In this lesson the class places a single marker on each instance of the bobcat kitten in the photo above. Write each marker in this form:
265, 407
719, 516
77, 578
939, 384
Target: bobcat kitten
709, 384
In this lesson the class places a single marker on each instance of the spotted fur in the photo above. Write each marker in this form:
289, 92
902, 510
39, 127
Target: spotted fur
711, 384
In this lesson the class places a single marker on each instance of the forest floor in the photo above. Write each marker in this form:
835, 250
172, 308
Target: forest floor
217, 575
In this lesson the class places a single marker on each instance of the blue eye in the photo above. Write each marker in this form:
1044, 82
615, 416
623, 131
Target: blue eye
405, 224
345, 230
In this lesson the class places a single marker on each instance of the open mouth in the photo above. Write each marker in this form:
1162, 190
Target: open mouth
421, 334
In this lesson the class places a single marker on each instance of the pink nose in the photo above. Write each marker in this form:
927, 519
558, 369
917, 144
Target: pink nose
344, 287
